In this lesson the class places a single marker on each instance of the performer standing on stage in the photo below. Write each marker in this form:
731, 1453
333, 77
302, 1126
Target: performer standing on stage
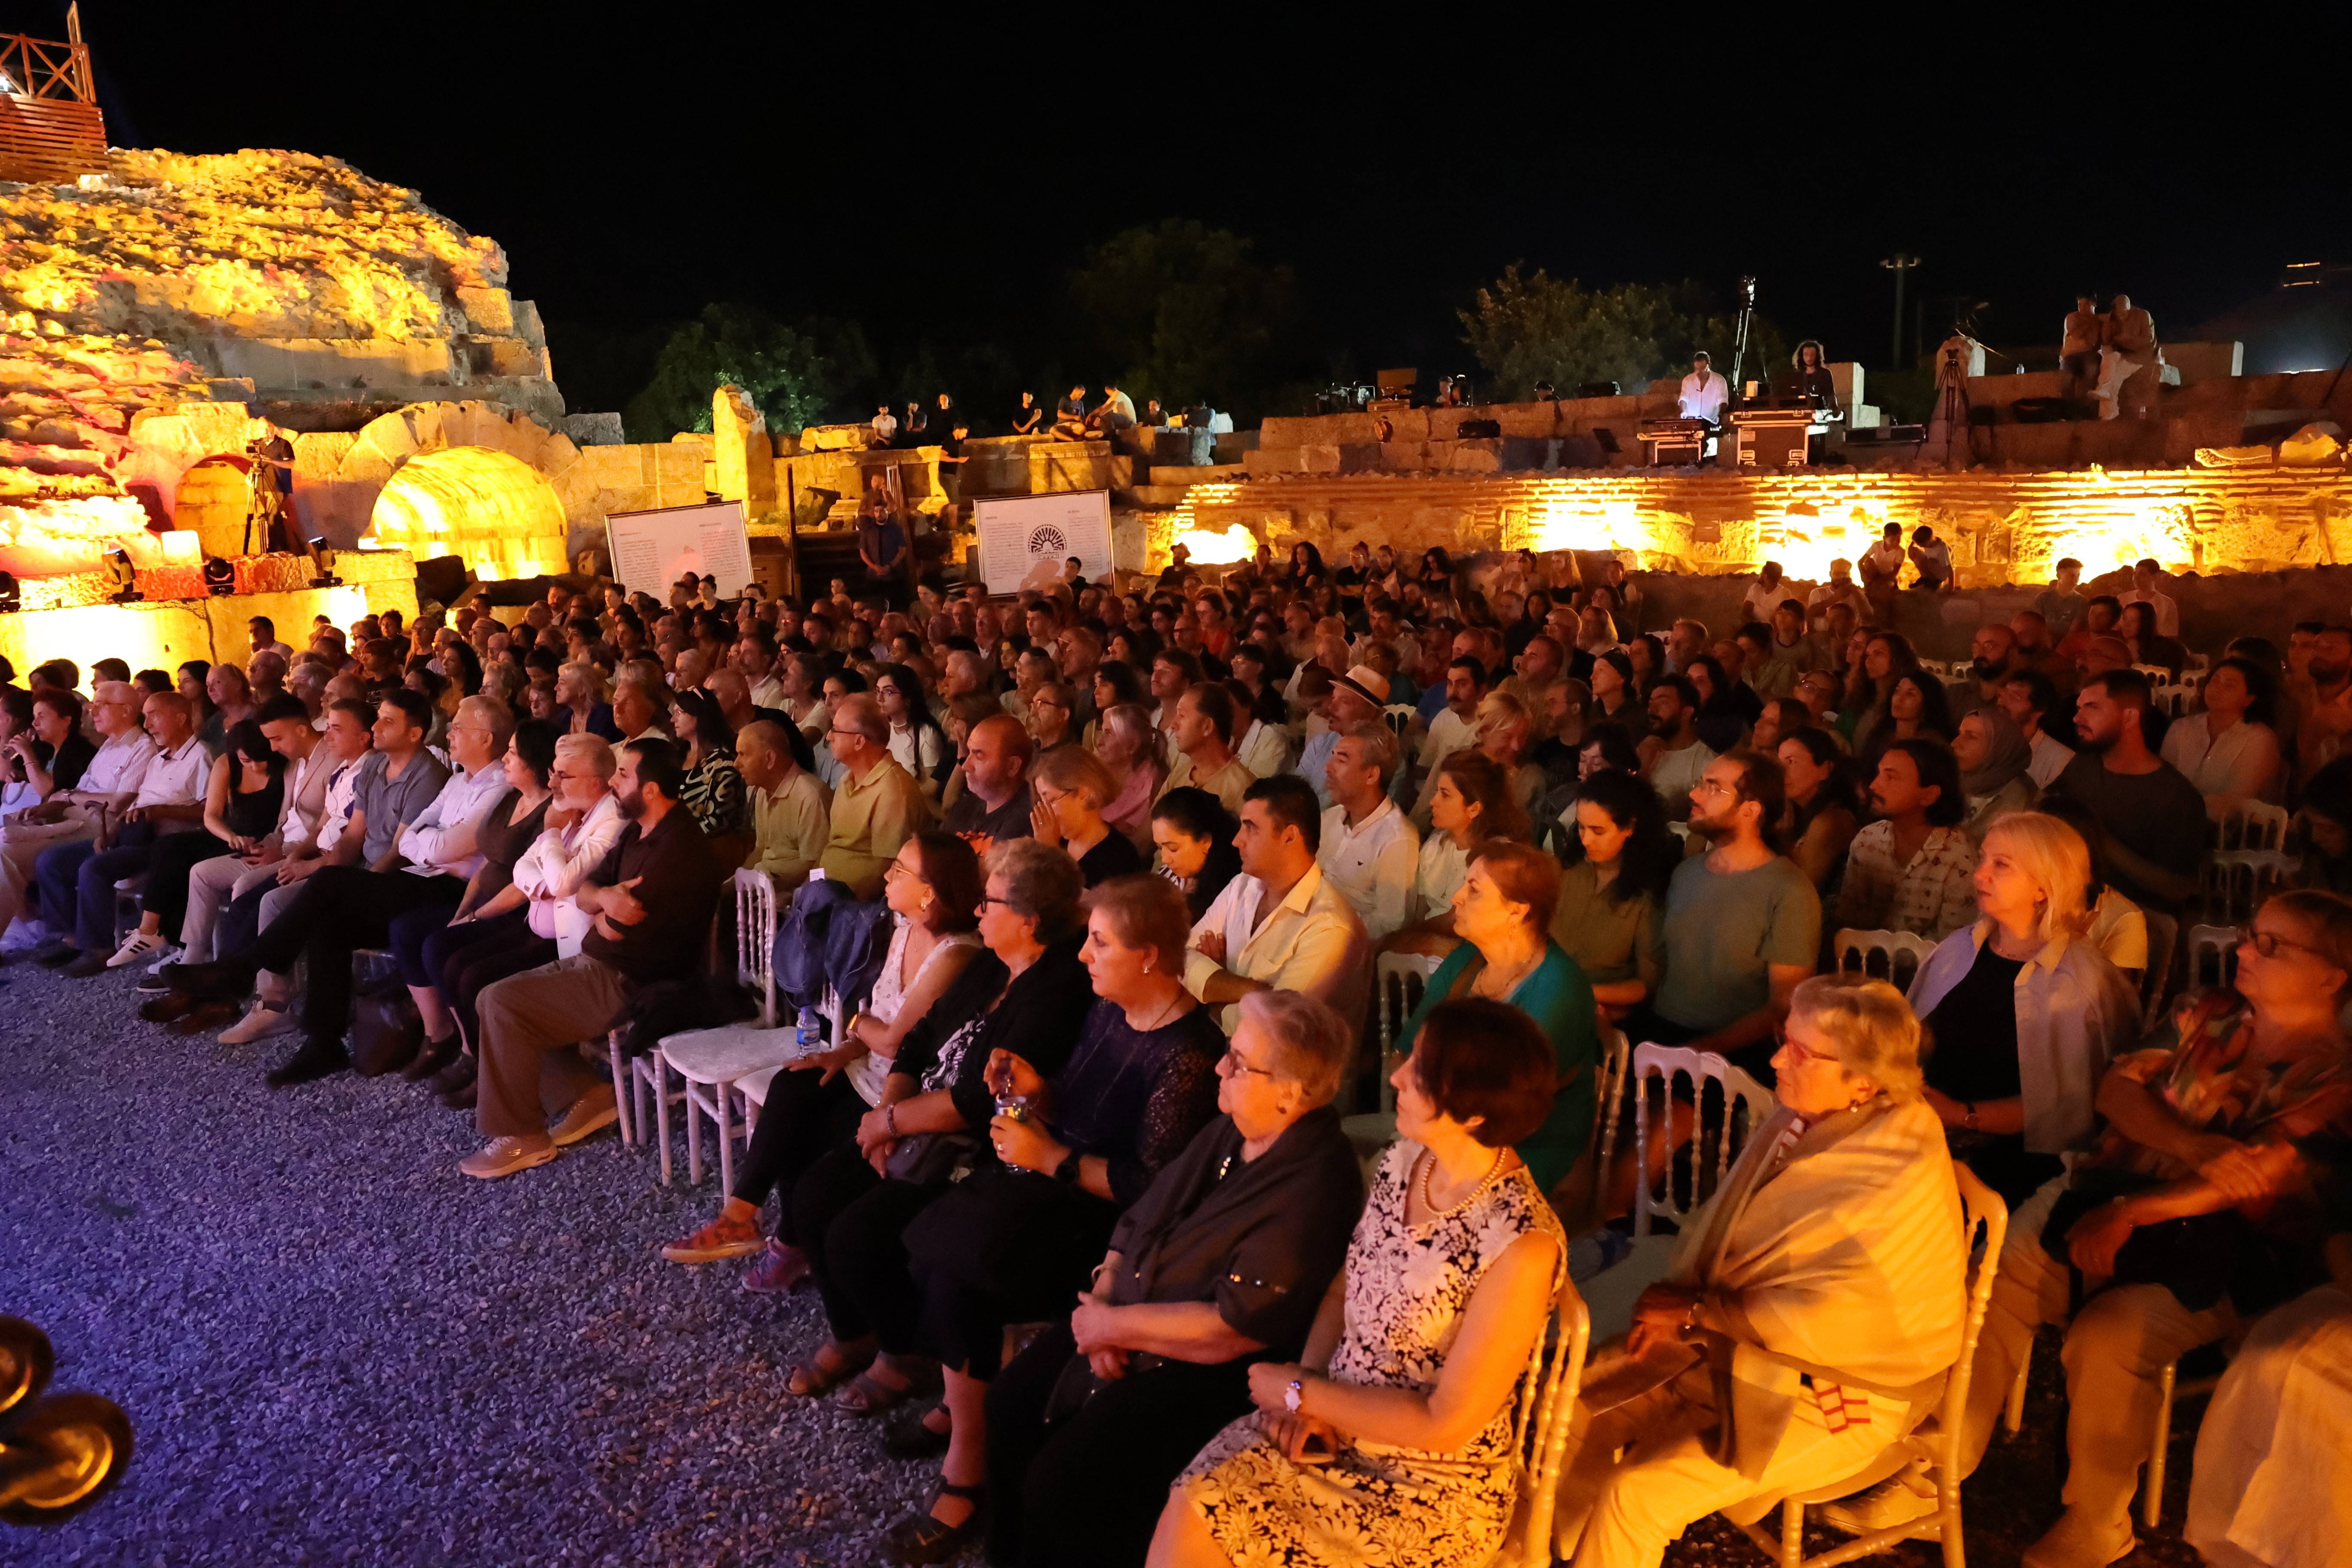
1705, 395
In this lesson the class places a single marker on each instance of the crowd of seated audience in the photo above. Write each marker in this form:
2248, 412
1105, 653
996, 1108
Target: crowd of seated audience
1137, 854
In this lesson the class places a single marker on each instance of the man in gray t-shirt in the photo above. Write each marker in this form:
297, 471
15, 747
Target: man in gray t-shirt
391, 803
1743, 924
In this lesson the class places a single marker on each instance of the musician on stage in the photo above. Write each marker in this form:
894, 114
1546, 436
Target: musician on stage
1813, 378
1705, 395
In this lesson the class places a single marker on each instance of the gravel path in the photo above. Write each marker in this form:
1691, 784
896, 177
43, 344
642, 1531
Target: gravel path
336, 1350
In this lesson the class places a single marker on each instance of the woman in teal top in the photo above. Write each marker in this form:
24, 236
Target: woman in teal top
1503, 914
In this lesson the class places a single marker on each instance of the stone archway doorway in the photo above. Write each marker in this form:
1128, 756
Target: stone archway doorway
488, 507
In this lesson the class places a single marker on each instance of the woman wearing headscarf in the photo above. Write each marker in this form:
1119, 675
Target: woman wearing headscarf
1993, 754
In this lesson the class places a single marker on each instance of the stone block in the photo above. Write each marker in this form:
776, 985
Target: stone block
1527, 451
1056, 466
1232, 444
1319, 459
593, 429
527, 325
489, 312
1275, 460
1480, 456
1405, 456
1359, 457
1216, 473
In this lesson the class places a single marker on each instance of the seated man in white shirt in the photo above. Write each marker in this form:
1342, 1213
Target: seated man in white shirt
108, 783
1705, 395
77, 879
2028, 698
1279, 925
1369, 849
2146, 576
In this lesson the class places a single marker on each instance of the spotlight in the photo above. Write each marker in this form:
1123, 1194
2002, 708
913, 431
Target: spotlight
220, 576
59, 1452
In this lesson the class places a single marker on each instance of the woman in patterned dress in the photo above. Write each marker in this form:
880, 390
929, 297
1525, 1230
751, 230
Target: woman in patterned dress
1391, 1446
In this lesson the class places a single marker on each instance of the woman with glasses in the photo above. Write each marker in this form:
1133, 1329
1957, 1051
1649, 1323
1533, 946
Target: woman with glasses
2023, 1009
1070, 787
932, 890
848, 1212
1006, 1246
1390, 1440
1219, 1265
1832, 1252
539, 845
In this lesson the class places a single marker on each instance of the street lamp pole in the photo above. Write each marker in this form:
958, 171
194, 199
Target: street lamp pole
1900, 263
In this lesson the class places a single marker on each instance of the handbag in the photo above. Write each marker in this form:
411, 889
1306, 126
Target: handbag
925, 1158
386, 1032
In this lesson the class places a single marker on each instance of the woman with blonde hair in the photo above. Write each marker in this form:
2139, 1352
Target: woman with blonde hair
1835, 1242
1505, 729
585, 698
1071, 786
2025, 1007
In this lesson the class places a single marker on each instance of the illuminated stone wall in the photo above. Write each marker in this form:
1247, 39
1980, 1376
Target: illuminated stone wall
2002, 527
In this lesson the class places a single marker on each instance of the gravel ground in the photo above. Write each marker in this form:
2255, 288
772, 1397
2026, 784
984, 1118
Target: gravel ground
336, 1350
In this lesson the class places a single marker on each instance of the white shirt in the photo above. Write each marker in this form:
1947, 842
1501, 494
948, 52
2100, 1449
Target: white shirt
1372, 864
2243, 764
1761, 600
442, 839
1704, 396
768, 693
343, 784
1264, 748
2050, 759
118, 768
2168, 609
1443, 867
280, 649
551, 871
1448, 732
291, 827
1676, 773
1311, 941
175, 777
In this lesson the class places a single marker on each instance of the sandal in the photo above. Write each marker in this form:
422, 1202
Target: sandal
922, 1537
868, 1395
809, 1377
912, 1437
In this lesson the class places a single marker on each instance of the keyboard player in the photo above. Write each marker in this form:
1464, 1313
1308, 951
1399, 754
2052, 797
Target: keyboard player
1705, 395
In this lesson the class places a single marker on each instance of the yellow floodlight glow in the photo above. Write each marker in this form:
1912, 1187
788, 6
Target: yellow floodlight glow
472, 503
1235, 545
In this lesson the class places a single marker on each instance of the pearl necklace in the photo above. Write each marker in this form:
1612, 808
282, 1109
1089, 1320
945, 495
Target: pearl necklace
1429, 1164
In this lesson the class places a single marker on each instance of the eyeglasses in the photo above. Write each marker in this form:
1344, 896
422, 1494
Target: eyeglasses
1802, 1053
1235, 1062
2268, 942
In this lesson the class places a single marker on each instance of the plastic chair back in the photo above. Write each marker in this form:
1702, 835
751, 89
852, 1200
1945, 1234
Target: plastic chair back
1547, 1410
1893, 957
2252, 824
755, 939
2217, 944
2236, 881
1735, 1092
1400, 980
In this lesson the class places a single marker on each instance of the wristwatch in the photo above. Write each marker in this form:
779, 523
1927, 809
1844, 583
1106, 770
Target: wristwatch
1068, 1171
1969, 1114
1293, 1396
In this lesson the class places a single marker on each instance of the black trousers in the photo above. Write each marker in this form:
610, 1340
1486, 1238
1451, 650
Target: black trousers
1003, 1245
1088, 1488
341, 909
852, 1223
802, 1118
165, 896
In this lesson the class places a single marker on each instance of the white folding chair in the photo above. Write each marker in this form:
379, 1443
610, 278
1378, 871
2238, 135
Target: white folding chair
2163, 936
1937, 667
2252, 824
1400, 980
1615, 1057
2199, 665
1930, 1460
708, 1062
1547, 1410
2234, 882
1893, 957
2157, 674
2174, 700
2217, 944
1741, 1104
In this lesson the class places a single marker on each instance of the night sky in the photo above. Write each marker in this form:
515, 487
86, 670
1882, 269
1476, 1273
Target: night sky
935, 176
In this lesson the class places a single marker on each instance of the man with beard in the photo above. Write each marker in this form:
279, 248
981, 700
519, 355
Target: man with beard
2325, 697
2151, 819
2028, 698
651, 902
1674, 757
1992, 659
1742, 924
2097, 620
2036, 649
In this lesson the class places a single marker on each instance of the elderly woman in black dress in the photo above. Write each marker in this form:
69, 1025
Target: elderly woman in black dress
1218, 1266
1012, 1242
850, 1209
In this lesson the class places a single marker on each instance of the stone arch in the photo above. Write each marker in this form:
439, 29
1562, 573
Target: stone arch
488, 507
213, 498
